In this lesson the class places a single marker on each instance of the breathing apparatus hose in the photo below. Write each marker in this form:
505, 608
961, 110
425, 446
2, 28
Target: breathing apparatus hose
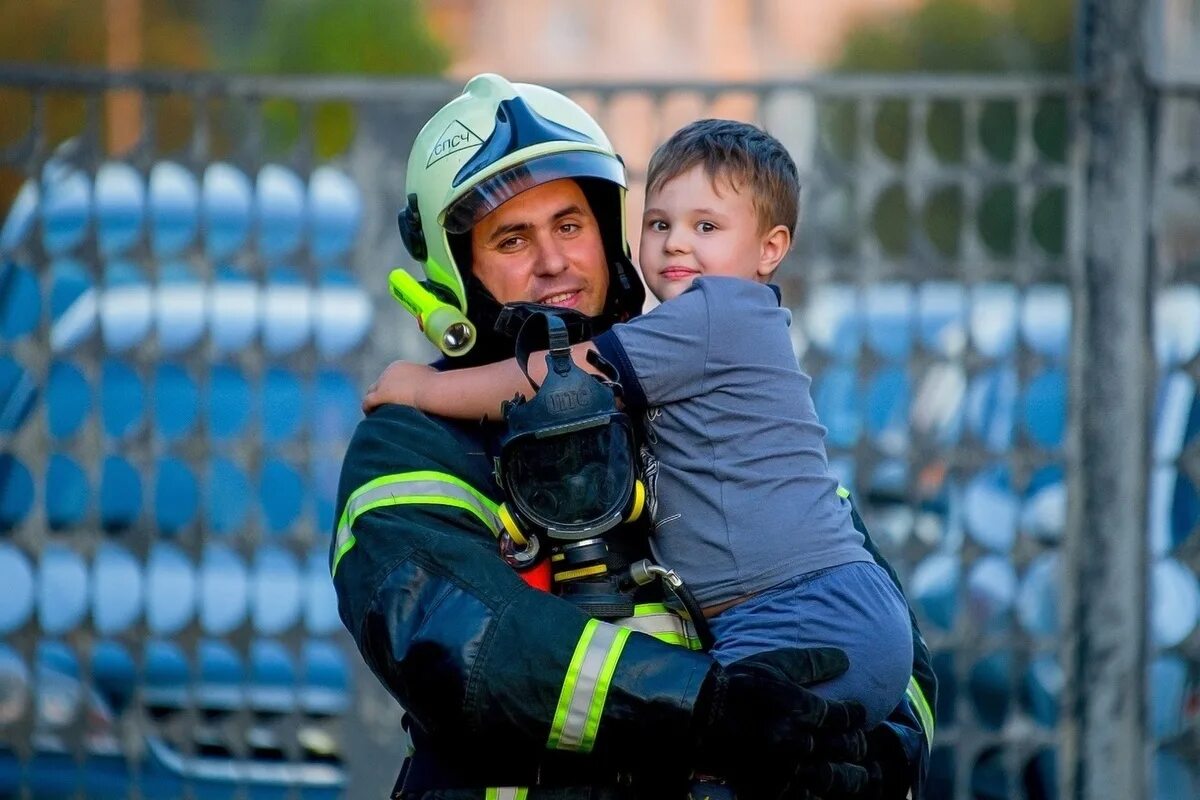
644, 571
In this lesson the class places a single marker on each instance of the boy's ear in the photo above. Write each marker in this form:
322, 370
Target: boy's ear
775, 244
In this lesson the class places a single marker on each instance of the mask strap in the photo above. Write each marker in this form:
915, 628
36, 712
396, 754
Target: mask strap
556, 336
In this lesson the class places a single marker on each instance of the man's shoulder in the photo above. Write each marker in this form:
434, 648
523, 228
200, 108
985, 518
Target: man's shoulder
393, 417
396, 440
407, 438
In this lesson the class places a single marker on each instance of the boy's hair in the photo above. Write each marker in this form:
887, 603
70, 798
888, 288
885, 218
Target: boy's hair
741, 154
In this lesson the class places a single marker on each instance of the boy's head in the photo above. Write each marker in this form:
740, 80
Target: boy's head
722, 198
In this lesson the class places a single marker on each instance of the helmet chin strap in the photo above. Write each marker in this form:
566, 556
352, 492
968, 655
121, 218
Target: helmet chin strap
498, 324
580, 327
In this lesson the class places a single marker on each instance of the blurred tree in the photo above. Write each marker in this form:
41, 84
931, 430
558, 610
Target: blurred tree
371, 37
962, 36
941, 35
52, 31
379, 37
298, 37
966, 36
70, 33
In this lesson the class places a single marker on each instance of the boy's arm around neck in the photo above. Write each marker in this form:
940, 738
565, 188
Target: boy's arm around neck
478, 392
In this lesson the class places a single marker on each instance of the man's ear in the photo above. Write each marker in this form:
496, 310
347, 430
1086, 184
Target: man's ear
775, 244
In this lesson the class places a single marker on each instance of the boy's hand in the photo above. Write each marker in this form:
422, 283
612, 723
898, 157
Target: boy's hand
400, 384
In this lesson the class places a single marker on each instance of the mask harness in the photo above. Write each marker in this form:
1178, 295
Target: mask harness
567, 467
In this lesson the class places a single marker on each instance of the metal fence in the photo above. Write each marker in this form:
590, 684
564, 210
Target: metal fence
187, 317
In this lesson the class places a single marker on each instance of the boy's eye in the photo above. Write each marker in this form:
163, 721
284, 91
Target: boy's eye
657, 225
706, 227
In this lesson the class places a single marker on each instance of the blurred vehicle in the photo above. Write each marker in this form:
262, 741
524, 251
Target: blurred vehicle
186, 742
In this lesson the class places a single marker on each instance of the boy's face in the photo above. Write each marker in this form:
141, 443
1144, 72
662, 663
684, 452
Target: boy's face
696, 226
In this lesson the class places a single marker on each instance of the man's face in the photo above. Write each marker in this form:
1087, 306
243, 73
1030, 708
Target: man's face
543, 246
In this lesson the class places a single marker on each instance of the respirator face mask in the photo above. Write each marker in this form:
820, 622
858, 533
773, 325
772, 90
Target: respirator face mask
568, 471
567, 458
574, 483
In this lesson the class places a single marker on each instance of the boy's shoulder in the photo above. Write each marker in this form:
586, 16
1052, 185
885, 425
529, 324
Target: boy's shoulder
709, 296
731, 286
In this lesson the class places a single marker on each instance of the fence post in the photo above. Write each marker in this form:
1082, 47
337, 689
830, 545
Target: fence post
1105, 745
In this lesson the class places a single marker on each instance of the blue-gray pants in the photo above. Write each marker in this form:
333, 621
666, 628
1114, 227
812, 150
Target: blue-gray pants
855, 607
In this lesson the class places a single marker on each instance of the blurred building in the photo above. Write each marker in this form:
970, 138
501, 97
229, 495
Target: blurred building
639, 40
650, 41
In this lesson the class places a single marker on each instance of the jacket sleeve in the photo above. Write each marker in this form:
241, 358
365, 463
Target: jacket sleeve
907, 735
471, 651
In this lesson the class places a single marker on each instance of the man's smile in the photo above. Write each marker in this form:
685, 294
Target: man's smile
567, 299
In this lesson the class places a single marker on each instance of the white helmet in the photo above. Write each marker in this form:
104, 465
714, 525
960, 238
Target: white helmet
492, 142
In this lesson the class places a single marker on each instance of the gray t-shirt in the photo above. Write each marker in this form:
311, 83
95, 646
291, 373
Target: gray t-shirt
738, 481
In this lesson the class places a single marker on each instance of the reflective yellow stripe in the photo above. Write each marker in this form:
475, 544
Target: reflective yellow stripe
585, 688
506, 793
656, 620
582, 572
647, 609
411, 488
843, 492
924, 713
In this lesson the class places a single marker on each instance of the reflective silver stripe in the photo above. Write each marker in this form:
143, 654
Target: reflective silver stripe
586, 686
410, 489
664, 626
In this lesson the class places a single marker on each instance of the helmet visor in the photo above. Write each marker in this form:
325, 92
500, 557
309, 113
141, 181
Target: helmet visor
495, 191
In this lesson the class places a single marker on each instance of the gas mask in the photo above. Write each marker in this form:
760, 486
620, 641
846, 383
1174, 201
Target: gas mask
567, 467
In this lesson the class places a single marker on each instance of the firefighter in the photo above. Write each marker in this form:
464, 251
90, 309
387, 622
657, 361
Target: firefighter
516, 201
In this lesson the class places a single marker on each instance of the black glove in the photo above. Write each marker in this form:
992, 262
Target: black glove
758, 727
888, 765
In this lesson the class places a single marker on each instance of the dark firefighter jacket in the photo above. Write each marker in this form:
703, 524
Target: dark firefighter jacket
507, 687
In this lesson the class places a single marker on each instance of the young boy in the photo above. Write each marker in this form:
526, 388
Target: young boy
743, 505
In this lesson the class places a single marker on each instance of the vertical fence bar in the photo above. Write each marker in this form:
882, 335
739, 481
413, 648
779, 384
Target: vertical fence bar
1104, 739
